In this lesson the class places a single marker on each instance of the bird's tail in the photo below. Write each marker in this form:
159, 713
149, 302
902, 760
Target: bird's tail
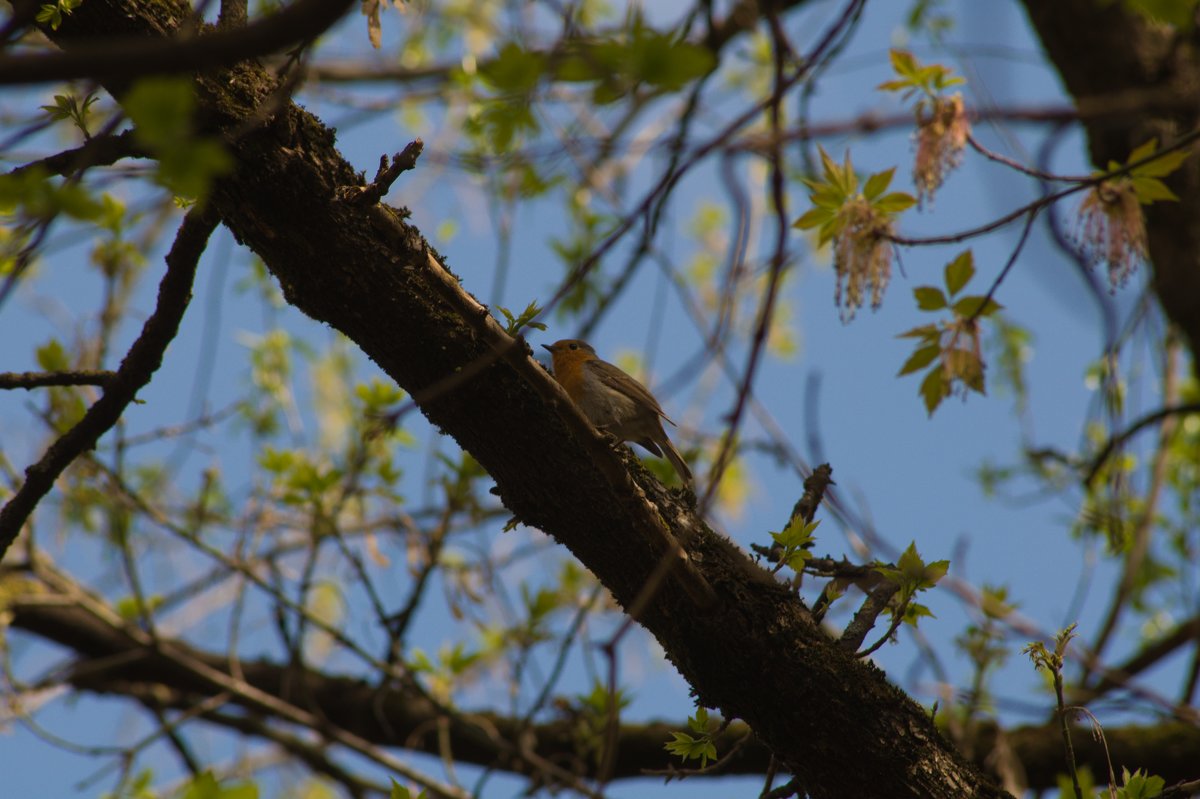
676, 460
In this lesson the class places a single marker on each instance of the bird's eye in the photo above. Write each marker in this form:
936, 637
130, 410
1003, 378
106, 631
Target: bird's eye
574, 346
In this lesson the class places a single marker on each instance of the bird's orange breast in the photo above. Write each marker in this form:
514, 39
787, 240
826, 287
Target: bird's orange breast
569, 374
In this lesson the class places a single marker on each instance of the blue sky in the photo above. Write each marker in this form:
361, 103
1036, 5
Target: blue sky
912, 475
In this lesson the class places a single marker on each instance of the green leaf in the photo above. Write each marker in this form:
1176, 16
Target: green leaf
1143, 150
910, 560
52, 356
39, 196
830, 230
189, 172
976, 305
849, 181
49, 15
929, 298
934, 389
935, 571
797, 541
500, 121
921, 358
1139, 786
830, 167
924, 331
878, 183
206, 786
797, 534
812, 218
52, 13
895, 85
903, 62
661, 61
827, 196
1149, 190
514, 70
894, 203
959, 272
1162, 166
689, 748
1179, 13
944, 80
63, 107
1159, 167
914, 573
400, 792
161, 109
929, 79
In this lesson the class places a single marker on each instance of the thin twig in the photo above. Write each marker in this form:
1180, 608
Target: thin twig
80, 377
386, 175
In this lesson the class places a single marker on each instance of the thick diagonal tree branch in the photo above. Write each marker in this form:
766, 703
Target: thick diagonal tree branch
832, 720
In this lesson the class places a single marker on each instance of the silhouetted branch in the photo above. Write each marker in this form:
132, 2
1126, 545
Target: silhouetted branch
143, 359
31, 380
126, 57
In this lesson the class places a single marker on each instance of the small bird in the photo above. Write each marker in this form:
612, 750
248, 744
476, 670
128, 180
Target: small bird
613, 401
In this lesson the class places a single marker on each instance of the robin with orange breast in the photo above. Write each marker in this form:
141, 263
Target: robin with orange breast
613, 401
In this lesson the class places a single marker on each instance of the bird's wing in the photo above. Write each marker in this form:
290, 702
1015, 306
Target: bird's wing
615, 378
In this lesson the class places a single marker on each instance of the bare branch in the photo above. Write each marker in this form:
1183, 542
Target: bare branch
140, 363
386, 175
97, 151
32, 380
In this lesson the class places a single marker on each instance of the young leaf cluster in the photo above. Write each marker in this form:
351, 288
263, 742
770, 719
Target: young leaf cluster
795, 543
638, 57
838, 188
514, 324
643, 56
913, 77
1139, 785
951, 348
859, 224
1112, 227
913, 575
694, 747
1146, 178
1051, 661
52, 13
68, 106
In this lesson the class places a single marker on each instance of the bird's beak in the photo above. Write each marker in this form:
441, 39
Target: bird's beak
548, 348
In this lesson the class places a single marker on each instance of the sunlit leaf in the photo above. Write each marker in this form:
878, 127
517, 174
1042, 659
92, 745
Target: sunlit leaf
959, 272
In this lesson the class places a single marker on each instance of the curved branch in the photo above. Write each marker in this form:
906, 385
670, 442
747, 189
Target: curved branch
97, 151
110, 661
143, 359
1141, 424
1151, 654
